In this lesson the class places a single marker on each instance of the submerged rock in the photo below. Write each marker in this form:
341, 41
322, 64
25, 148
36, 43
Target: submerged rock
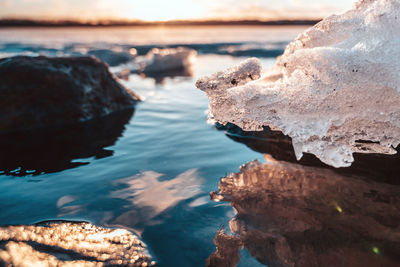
334, 91
39, 92
294, 215
70, 244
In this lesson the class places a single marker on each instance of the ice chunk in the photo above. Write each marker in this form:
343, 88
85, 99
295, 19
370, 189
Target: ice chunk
62, 243
168, 59
334, 91
159, 63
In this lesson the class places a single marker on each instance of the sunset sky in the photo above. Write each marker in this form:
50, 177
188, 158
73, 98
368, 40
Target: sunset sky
151, 10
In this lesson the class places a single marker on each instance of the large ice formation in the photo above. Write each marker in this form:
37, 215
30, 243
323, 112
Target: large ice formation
334, 91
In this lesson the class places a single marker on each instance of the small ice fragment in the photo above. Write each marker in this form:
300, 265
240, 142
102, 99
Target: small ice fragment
168, 59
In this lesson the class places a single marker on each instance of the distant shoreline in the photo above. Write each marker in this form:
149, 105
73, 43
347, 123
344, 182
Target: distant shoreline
35, 23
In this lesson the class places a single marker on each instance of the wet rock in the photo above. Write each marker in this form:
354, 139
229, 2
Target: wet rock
42, 92
70, 244
294, 215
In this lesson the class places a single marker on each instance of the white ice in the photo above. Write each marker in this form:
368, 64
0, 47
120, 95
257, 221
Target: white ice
334, 91
168, 59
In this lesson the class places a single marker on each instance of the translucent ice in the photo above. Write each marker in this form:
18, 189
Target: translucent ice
168, 59
334, 91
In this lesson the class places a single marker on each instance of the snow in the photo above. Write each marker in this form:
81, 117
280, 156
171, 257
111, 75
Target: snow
335, 90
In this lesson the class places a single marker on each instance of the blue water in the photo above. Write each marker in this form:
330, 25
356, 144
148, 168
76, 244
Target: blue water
155, 175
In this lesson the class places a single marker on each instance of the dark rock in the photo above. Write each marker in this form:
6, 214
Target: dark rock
41, 92
294, 215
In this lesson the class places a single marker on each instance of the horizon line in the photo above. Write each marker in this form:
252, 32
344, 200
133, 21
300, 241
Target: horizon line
26, 22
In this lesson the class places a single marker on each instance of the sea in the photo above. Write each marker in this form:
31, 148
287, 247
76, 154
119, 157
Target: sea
150, 171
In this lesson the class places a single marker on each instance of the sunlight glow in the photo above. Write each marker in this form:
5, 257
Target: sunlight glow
156, 10
161, 10
339, 209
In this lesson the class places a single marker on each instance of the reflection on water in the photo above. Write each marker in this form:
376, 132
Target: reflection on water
53, 37
60, 243
227, 253
378, 167
168, 135
66, 207
267, 141
159, 77
52, 150
314, 214
294, 215
149, 196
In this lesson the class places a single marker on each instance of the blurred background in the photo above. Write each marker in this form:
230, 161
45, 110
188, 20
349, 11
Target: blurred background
159, 10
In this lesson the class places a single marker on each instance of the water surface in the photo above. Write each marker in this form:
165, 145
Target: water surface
151, 170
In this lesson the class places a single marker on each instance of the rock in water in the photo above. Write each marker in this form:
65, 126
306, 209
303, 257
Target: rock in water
70, 244
335, 90
39, 92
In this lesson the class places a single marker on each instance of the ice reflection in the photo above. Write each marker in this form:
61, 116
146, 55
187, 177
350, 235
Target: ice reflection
150, 196
160, 77
377, 167
294, 215
70, 244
